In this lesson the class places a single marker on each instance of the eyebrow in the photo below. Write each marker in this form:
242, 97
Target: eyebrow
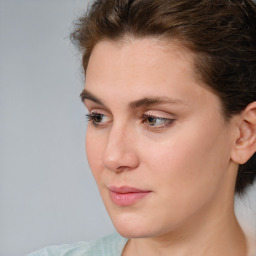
86, 95
145, 102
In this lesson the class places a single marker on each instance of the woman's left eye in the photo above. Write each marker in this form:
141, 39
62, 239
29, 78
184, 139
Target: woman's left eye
156, 122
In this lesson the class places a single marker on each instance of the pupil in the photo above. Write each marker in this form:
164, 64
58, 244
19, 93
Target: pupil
151, 120
98, 118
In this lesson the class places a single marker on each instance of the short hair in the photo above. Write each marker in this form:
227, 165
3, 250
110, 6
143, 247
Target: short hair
221, 33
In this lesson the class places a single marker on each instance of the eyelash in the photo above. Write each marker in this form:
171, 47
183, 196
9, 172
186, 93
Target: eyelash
92, 118
145, 119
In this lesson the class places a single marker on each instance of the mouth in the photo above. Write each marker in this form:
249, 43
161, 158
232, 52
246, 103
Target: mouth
127, 196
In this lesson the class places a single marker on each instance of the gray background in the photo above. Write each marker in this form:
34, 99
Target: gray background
47, 193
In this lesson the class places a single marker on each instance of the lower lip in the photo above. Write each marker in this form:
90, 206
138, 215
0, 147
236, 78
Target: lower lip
127, 199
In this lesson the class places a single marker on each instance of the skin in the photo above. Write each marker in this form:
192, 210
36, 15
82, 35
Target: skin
182, 155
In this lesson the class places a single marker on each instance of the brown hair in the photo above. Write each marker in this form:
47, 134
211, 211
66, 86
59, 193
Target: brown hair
222, 34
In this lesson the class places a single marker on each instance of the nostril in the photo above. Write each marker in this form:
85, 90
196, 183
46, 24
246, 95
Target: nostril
123, 168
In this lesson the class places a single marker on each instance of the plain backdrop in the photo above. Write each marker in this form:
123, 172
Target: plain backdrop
47, 193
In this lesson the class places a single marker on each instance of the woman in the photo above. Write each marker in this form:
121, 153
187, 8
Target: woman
170, 91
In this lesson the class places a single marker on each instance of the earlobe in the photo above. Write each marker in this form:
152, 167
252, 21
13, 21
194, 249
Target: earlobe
245, 142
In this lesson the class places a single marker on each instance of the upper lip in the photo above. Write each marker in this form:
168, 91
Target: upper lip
126, 189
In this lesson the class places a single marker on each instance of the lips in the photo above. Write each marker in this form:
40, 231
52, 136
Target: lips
126, 196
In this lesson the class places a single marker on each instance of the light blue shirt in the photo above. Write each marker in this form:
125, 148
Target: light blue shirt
112, 245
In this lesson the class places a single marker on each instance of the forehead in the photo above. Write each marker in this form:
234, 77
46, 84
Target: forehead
141, 48
138, 57
133, 69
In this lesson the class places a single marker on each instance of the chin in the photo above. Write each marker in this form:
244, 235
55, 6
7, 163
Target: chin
140, 231
136, 225
131, 225
133, 231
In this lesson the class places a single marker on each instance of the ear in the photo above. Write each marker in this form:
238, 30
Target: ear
245, 140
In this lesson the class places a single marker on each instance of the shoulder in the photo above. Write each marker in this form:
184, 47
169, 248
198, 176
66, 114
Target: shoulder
112, 245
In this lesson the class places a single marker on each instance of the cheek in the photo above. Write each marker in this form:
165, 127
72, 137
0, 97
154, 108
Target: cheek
190, 160
94, 149
185, 173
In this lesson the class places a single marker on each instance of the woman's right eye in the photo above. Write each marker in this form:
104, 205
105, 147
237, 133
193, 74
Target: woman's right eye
97, 118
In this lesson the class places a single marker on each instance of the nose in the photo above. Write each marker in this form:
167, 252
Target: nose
120, 152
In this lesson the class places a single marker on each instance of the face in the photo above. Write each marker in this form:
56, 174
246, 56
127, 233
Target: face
156, 142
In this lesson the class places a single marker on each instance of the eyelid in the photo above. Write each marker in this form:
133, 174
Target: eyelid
94, 106
98, 111
159, 114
